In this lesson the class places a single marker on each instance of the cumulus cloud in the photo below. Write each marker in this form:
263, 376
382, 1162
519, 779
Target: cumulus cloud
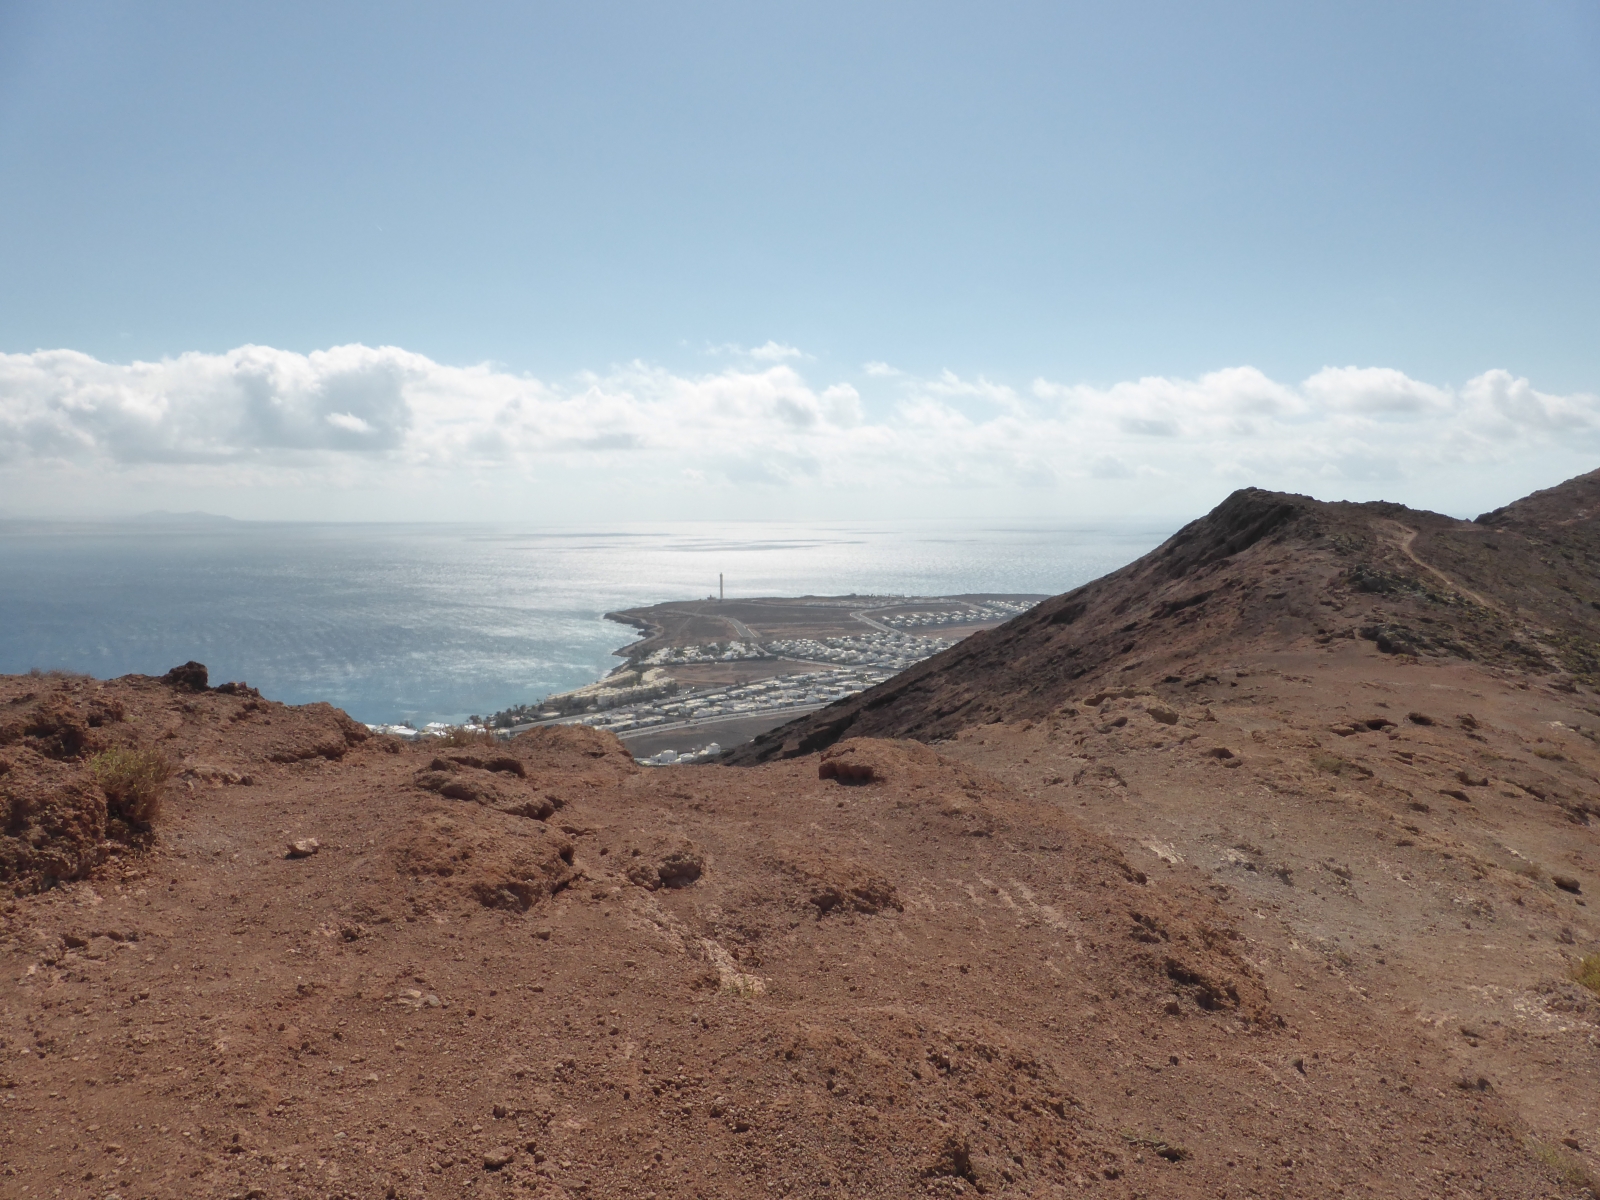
372, 412
1378, 390
200, 407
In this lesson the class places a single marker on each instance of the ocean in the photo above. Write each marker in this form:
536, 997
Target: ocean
430, 622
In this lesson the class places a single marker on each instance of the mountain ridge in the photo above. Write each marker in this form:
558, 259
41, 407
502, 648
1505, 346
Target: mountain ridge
1338, 569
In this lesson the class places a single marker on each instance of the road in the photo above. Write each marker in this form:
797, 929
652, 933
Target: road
742, 630
861, 615
701, 722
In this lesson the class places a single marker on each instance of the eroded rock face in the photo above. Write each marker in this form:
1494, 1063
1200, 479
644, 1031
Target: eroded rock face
665, 861
54, 829
54, 821
315, 731
59, 721
477, 781
836, 883
497, 860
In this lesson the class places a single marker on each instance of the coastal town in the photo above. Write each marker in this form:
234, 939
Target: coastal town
709, 674
781, 693
775, 659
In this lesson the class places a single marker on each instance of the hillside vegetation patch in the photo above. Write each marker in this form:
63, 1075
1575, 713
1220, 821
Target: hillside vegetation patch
134, 781
1587, 972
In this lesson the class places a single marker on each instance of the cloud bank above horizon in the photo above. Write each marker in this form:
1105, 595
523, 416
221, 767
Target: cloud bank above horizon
391, 430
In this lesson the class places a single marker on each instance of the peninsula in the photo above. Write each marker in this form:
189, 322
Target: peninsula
710, 674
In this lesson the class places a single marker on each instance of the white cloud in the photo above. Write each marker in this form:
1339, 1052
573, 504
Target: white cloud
202, 407
380, 417
1375, 390
775, 352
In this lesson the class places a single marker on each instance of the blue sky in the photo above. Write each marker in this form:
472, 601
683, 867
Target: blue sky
633, 202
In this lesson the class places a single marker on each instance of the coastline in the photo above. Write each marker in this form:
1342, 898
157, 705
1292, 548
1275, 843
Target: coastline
737, 668
423, 623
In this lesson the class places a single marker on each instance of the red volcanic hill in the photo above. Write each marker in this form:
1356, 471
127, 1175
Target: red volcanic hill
1264, 570
1261, 867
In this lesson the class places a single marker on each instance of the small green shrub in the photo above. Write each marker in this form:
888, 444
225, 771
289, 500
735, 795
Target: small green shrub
1587, 972
133, 781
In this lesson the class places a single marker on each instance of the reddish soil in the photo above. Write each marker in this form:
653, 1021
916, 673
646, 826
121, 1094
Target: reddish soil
1251, 908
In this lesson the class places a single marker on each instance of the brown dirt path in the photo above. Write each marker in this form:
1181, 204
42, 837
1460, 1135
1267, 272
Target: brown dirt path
1403, 542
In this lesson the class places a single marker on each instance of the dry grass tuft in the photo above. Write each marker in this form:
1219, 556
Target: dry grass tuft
460, 735
1570, 1169
1587, 972
133, 781
55, 673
